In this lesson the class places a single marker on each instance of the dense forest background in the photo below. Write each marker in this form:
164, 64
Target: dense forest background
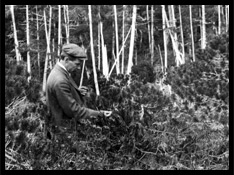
162, 69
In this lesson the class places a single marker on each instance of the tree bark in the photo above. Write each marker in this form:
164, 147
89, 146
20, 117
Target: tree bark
227, 17
152, 34
48, 41
99, 39
92, 51
46, 60
117, 41
122, 68
182, 36
66, 19
131, 49
59, 29
191, 25
38, 45
219, 20
28, 45
148, 22
203, 39
164, 37
17, 53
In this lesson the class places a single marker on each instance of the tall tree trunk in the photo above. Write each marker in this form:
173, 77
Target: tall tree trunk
92, 51
49, 36
105, 66
17, 53
164, 37
182, 36
227, 17
203, 39
159, 50
99, 39
46, 60
113, 41
174, 42
66, 19
122, 68
152, 34
130, 62
120, 51
191, 25
219, 20
38, 45
28, 46
59, 29
148, 24
117, 41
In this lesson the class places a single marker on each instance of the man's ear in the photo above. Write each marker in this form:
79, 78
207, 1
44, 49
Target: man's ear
66, 59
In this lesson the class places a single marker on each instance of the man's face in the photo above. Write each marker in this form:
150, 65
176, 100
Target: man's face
72, 65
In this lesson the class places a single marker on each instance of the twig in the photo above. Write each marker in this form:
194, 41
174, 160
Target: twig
82, 74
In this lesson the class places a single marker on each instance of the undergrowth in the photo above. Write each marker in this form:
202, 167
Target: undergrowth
149, 129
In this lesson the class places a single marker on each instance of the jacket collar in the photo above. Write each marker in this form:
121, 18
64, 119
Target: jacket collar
64, 71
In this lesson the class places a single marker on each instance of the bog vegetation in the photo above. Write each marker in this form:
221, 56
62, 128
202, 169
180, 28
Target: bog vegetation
164, 118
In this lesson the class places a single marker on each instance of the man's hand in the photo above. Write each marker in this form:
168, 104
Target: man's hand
106, 113
83, 90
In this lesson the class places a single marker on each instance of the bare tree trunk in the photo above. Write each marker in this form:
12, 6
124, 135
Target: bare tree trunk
122, 68
182, 36
66, 19
219, 20
28, 45
46, 60
38, 45
17, 53
105, 66
99, 39
191, 25
227, 17
92, 51
160, 57
152, 34
203, 39
49, 36
164, 36
113, 42
148, 21
59, 29
130, 62
117, 41
120, 51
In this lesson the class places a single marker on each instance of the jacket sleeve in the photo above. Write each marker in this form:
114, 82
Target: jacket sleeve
69, 105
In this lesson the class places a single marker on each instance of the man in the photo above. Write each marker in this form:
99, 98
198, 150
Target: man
63, 97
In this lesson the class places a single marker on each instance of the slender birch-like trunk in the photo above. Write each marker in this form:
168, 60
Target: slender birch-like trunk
99, 39
131, 49
219, 20
191, 25
46, 60
17, 53
117, 41
203, 39
92, 51
164, 37
66, 19
152, 34
148, 24
38, 45
182, 36
49, 37
159, 50
28, 43
227, 17
59, 29
122, 68
105, 66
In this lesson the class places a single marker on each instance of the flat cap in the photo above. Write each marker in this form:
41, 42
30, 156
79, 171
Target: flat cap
73, 50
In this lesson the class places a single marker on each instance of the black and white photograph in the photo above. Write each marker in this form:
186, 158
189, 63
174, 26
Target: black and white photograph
116, 87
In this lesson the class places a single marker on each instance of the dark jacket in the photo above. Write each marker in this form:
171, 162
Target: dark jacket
63, 97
